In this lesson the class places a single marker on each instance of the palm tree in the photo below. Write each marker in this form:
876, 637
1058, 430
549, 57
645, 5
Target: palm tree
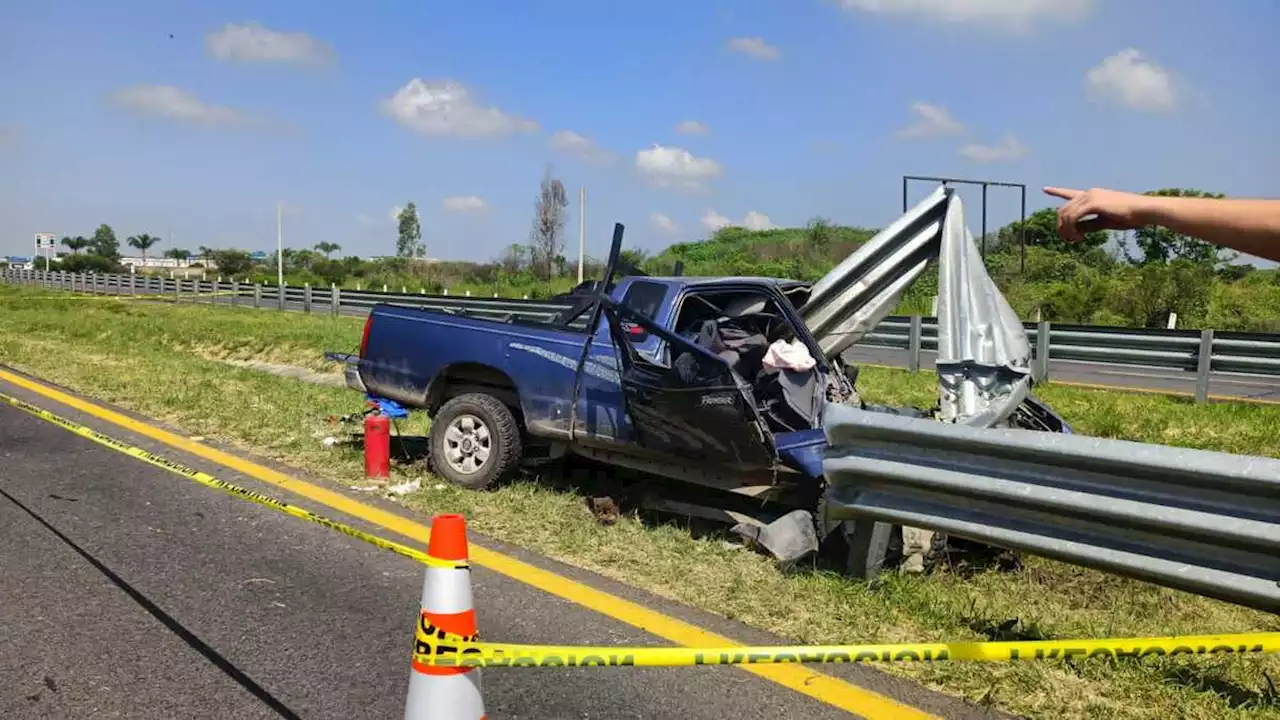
204, 251
76, 243
328, 248
177, 253
143, 241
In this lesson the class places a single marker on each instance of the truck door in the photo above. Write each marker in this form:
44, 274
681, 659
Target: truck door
694, 407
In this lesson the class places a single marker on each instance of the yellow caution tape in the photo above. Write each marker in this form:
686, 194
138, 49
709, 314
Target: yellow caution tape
435, 647
240, 492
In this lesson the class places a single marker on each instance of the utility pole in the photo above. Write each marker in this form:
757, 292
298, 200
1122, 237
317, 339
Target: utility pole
582, 228
279, 245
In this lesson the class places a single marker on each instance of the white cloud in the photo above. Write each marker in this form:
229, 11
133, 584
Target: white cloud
675, 167
757, 221
692, 127
664, 224
446, 107
1126, 78
465, 204
1011, 15
930, 121
713, 221
175, 103
756, 47
567, 141
254, 43
1008, 149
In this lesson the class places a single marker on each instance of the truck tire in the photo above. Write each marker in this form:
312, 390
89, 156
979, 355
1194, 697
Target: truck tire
475, 441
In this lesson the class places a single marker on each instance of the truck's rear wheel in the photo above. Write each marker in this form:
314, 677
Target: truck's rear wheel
475, 441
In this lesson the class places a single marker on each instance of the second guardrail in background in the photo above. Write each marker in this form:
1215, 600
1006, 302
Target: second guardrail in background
1199, 351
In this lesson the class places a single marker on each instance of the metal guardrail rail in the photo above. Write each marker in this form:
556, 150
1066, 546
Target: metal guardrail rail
1199, 351
1205, 522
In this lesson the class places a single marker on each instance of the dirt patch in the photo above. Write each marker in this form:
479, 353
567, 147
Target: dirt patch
293, 371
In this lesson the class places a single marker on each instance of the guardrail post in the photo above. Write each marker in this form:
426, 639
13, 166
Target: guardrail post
306, 297
257, 295
280, 295
1204, 365
133, 284
913, 345
235, 292
1040, 371
177, 290
335, 298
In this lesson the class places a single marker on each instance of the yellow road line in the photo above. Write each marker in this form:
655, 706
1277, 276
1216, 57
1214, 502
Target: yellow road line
825, 688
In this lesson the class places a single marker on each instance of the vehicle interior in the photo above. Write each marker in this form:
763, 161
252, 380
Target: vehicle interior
751, 333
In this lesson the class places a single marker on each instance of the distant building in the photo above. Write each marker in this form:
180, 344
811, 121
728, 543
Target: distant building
157, 262
20, 263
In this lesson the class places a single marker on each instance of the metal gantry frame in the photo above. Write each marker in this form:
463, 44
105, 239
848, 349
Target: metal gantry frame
1022, 225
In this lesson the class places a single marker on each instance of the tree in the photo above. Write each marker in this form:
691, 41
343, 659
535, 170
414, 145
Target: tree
76, 244
820, 232
1041, 230
546, 239
177, 253
409, 240
204, 251
104, 243
143, 242
514, 259
1162, 245
328, 248
231, 262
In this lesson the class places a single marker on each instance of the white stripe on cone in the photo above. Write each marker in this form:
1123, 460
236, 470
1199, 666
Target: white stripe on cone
446, 591
444, 697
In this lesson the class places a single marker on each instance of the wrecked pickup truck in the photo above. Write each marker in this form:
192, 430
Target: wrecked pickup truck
718, 382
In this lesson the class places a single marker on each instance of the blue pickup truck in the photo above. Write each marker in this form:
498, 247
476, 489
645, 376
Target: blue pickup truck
720, 382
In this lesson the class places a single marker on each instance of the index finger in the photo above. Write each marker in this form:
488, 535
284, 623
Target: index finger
1064, 193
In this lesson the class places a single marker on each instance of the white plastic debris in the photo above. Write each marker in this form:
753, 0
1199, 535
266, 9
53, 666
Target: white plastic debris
404, 488
784, 355
329, 441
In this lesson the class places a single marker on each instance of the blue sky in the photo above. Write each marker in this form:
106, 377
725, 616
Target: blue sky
790, 109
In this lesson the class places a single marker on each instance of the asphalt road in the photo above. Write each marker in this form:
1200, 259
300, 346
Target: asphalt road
133, 592
1252, 387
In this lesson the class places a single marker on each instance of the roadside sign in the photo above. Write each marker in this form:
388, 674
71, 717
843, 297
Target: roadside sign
46, 240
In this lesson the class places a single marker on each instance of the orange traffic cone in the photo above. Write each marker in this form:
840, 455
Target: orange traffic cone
446, 693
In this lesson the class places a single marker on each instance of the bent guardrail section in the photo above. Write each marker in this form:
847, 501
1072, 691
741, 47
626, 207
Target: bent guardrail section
1201, 521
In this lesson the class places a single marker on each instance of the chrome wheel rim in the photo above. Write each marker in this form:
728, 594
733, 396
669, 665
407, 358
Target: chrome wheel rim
467, 444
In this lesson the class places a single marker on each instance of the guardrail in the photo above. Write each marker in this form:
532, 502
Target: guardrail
1206, 522
1199, 351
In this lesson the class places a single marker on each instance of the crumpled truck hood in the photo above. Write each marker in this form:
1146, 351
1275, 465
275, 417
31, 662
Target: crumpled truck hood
984, 356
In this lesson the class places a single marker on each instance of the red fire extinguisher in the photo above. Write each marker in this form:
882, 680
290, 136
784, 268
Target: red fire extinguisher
377, 446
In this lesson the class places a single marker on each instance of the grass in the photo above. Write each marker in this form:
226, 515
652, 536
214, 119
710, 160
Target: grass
167, 362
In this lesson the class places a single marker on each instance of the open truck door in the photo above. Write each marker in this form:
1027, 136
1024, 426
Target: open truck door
695, 406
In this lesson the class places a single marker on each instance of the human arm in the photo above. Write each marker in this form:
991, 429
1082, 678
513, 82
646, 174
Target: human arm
1249, 226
